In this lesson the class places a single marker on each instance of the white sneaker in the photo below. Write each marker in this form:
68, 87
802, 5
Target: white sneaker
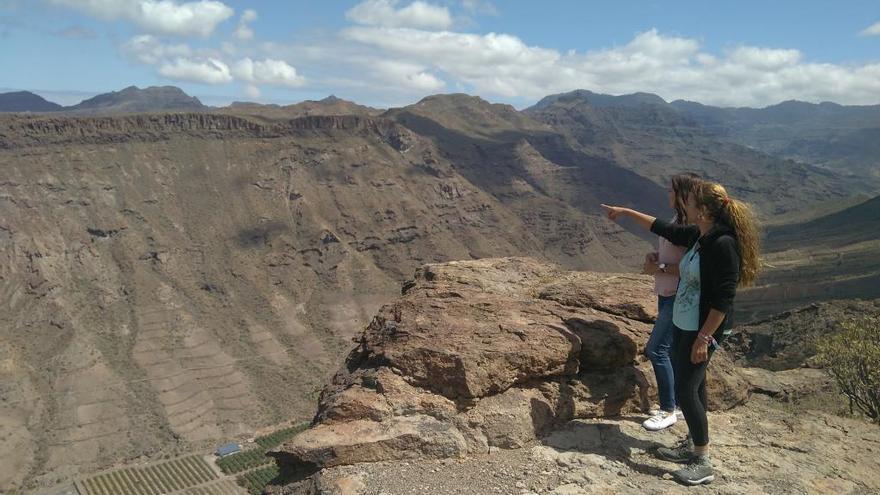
656, 410
659, 421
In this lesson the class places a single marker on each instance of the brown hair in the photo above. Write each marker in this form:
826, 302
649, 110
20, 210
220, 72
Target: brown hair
740, 217
683, 185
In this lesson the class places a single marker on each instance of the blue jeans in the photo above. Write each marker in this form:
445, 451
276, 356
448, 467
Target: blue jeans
658, 351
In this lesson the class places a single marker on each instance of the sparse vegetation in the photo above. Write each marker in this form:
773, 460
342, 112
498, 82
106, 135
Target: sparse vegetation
280, 436
250, 459
242, 461
255, 481
853, 358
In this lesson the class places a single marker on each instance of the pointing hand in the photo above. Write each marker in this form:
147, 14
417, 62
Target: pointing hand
613, 211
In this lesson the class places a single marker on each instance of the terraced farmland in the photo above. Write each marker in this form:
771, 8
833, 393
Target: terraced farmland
222, 487
250, 459
277, 438
256, 481
156, 479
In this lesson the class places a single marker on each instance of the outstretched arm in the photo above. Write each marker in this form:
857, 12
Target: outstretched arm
615, 212
680, 235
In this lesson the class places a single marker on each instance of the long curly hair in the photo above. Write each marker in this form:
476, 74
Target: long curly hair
683, 185
740, 217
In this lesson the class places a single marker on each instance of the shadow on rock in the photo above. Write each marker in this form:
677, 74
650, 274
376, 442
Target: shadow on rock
606, 440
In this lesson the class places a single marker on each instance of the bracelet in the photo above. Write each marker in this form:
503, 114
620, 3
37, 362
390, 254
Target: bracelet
707, 339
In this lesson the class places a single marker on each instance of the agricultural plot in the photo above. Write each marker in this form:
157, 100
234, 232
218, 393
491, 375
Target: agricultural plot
278, 437
237, 463
222, 487
255, 481
152, 479
250, 459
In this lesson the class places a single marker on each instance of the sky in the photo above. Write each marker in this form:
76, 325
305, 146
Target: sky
387, 53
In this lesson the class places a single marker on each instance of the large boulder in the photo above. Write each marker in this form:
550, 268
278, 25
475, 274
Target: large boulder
490, 353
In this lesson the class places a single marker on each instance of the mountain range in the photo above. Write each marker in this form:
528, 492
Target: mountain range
130, 99
180, 276
843, 138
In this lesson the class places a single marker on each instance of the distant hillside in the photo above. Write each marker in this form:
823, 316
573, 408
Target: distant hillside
532, 168
25, 101
472, 115
856, 224
328, 106
845, 138
654, 139
599, 100
133, 99
831, 257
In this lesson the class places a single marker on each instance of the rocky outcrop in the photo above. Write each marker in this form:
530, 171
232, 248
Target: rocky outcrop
489, 353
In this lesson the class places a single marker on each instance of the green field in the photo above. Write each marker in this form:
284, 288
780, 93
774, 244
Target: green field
255, 481
152, 479
237, 463
277, 438
222, 487
250, 459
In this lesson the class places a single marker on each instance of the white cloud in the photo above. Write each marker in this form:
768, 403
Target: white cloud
450, 48
252, 91
404, 75
243, 31
417, 14
408, 50
764, 58
267, 71
209, 71
872, 30
211, 66
148, 49
502, 65
425, 81
198, 18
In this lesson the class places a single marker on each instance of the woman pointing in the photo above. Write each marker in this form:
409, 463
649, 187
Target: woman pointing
722, 253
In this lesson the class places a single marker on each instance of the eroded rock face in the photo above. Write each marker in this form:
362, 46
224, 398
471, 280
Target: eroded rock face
490, 353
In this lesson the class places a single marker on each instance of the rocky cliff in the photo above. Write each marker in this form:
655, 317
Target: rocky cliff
490, 353
509, 375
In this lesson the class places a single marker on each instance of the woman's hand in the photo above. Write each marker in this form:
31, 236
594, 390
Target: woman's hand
699, 351
642, 220
614, 212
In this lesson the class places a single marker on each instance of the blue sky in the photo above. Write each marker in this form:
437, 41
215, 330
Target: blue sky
394, 52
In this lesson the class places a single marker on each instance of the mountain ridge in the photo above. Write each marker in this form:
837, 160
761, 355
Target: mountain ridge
25, 101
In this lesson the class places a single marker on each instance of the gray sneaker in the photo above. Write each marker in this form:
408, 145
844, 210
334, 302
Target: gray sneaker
698, 471
680, 453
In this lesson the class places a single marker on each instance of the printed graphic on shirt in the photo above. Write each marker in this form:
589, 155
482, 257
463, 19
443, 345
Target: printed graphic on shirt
686, 312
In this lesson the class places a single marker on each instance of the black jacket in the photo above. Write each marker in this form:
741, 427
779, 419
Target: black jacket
719, 266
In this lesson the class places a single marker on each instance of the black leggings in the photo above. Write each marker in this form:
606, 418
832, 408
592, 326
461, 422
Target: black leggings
690, 385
